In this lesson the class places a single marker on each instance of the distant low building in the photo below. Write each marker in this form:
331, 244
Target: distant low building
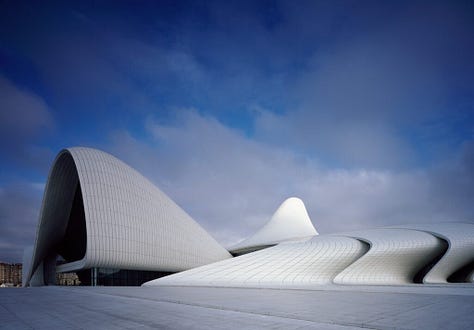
67, 279
10, 274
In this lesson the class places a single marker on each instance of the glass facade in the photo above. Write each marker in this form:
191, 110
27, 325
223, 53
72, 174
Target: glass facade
117, 277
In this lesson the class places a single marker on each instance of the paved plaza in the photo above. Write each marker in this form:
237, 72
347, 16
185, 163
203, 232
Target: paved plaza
330, 307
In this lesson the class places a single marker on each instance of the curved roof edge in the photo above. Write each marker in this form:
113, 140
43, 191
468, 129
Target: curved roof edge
460, 239
289, 222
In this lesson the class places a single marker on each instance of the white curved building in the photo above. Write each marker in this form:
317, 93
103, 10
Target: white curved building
109, 224
99, 213
384, 256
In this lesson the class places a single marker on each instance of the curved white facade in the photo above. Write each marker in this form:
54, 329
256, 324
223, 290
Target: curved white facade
127, 222
460, 251
385, 256
395, 257
290, 221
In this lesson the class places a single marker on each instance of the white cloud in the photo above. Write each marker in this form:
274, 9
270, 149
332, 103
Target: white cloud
232, 184
23, 113
24, 117
368, 98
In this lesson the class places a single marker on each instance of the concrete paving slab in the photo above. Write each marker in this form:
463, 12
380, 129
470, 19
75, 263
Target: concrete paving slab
329, 307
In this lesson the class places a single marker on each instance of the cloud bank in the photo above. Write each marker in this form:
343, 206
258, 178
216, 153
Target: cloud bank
232, 184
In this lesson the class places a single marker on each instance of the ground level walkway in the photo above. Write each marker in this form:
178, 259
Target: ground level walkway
328, 307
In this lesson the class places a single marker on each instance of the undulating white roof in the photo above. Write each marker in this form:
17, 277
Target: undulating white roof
383, 256
299, 264
395, 256
460, 251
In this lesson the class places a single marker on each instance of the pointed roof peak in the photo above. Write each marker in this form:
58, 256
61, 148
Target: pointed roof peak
290, 221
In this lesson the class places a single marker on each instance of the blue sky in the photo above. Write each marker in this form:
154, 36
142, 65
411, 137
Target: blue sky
364, 109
